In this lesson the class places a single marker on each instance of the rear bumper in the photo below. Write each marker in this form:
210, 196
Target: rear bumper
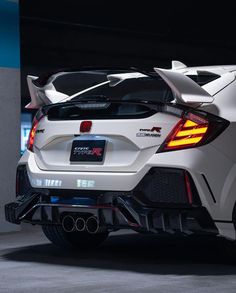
145, 208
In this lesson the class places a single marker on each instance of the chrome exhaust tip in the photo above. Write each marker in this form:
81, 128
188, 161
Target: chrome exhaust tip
92, 225
68, 224
80, 224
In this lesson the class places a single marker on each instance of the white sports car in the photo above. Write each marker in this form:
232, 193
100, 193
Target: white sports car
127, 149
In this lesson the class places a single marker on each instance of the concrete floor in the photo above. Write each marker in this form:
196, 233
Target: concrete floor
127, 262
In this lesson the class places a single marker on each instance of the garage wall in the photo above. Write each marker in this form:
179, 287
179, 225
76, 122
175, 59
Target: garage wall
9, 105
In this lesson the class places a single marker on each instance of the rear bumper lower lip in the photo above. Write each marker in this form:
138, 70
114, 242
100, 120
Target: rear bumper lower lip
124, 199
121, 212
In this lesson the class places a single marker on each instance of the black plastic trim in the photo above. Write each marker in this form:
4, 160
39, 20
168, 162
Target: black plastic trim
209, 188
140, 195
221, 221
53, 112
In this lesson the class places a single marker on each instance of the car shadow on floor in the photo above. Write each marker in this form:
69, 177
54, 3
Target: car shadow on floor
139, 253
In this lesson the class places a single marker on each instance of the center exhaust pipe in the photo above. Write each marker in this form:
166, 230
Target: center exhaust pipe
68, 224
92, 225
80, 224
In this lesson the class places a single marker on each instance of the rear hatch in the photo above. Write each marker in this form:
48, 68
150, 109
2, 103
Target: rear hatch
95, 136
114, 125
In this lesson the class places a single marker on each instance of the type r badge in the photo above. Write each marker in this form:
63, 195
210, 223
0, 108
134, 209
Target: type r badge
149, 132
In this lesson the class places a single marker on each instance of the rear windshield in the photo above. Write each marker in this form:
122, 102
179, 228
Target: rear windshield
152, 89
127, 96
143, 89
146, 88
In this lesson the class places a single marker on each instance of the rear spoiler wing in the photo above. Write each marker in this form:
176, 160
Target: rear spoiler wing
186, 91
44, 95
43, 92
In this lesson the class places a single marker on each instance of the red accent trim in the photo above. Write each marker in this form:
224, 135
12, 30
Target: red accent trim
102, 207
188, 188
97, 151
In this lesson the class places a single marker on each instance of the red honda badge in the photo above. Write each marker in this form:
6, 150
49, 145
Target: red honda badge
85, 126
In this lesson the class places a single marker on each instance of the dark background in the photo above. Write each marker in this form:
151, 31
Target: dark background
57, 34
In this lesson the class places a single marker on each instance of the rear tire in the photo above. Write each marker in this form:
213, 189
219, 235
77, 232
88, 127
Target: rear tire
64, 239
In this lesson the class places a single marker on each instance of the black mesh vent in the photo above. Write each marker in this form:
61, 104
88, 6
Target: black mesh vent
163, 185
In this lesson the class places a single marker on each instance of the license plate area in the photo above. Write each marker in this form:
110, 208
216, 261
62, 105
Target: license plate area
87, 151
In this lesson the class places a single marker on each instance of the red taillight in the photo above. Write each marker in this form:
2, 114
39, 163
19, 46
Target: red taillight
188, 132
193, 130
37, 118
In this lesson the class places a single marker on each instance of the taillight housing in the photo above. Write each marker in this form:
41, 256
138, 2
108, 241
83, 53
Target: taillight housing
195, 128
30, 144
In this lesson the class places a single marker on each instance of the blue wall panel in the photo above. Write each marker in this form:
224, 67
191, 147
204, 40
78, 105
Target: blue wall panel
9, 34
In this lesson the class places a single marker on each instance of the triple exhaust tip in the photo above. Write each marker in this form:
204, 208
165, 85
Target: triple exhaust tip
71, 224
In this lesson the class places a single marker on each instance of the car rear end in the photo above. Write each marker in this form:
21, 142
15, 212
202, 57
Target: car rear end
123, 162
